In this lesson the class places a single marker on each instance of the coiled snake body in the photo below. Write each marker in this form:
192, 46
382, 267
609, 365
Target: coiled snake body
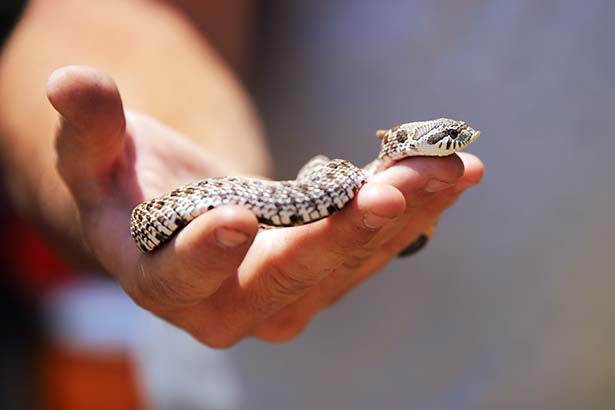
322, 187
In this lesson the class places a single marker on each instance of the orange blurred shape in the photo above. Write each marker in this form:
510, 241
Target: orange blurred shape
72, 380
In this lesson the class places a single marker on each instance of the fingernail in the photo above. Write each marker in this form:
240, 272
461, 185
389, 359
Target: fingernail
230, 238
436, 185
373, 221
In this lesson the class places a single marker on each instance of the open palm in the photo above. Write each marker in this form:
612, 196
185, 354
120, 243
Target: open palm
218, 279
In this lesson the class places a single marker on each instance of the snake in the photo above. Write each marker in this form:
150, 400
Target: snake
322, 187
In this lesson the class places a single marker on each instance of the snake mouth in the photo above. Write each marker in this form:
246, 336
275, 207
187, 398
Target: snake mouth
464, 136
474, 136
451, 143
461, 140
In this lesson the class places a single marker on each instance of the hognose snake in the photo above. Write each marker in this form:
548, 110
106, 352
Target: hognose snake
322, 187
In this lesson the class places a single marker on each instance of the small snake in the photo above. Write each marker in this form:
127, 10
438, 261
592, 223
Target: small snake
322, 187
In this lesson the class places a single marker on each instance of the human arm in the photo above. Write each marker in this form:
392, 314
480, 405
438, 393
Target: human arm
163, 66
269, 286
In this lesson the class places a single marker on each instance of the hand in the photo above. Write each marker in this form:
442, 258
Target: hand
217, 279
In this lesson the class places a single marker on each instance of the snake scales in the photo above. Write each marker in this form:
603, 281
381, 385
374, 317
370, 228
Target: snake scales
322, 187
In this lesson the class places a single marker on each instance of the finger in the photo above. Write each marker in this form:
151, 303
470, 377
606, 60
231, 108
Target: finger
418, 238
90, 139
474, 171
347, 232
284, 264
303, 256
287, 323
418, 177
194, 264
420, 221
412, 178
296, 261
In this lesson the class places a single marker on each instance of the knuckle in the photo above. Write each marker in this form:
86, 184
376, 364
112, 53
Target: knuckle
140, 299
357, 259
349, 234
160, 289
360, 235
218, 340
357, 250
218, 331
288, 284
281, 330
355, 245
194, 279
136, 286
278, 287
211, 260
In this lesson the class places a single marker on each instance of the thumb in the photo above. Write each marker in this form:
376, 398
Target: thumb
90, 139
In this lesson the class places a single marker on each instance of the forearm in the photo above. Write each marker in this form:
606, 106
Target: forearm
162, 66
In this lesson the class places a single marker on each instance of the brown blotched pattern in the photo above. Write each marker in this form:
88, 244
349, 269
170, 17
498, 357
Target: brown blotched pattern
322, 187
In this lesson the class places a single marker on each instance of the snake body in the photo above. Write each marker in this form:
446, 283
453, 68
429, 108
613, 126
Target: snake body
322, 187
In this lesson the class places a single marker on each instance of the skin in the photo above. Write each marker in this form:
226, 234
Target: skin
217, 279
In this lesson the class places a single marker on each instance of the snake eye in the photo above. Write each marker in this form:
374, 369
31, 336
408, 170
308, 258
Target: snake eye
453, 133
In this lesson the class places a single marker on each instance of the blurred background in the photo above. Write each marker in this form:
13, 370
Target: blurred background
510, 306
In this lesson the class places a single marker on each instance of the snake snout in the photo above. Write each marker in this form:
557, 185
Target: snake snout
466, 136
447, 139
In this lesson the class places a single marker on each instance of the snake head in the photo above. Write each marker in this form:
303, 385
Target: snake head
439, 138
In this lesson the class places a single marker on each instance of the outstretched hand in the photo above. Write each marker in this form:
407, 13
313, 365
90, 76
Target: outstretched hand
217, 279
